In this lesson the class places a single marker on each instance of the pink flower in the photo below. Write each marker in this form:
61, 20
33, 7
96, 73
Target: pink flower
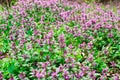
104, 71
80, 74
11, 78
106, 51
54, 74
61, 40
113, 64
1, 76
90, 58
0, 52
90, 45
110, 35
71, 46
22, 75
92, 75
82, 45
40, 75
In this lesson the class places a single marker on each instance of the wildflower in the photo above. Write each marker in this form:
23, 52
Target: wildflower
80, 74
54, 74
33, 72
70, 46
29, 46
75, 28
92, 75
113, 64
69, 59
61, 68
36, 32
0, 53
90, 37
61, 40
1, 76
116, 77
1, 57
106, 51
22, 75
50, 35
66, 76
90, 45
84, 68
110, 35
102, 77
78, 33
93, 21
44, 65
82, 45
104, 71
39, 75
90, 58
38, 41
88, 24
11, 78
11, 38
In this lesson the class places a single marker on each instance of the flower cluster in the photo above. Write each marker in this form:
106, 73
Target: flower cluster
57, 40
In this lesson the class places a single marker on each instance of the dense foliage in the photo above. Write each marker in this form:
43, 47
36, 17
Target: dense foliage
57, 40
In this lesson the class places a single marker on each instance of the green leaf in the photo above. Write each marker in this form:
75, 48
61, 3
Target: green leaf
11, 68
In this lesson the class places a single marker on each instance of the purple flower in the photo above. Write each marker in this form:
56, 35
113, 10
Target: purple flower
38, 41
34, 72
75, 28
104, 71
25, 56
93, 21
36, 32
39, 75
113, 64
11, 37
50, 35
110, 35
62, 45
1, 57
90, 58
61, 40
0, 53
90, 37
66, 76
97, 26
90, 44
92, 75
106, 51
22, 75
69, 59
82, 45
1, 76
54, 75
11, 78
84, 68
108, 26
88, 24
71, 46
116, 77
80, 74
102, 77
44, 65
60, 69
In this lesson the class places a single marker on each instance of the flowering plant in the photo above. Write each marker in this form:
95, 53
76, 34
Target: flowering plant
57, 40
